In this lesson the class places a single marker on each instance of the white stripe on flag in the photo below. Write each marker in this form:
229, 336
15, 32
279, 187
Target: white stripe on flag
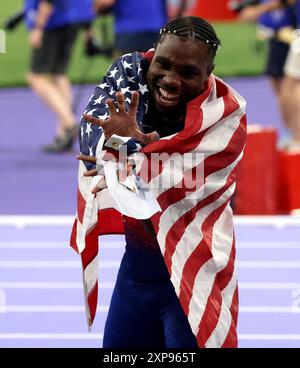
91, 275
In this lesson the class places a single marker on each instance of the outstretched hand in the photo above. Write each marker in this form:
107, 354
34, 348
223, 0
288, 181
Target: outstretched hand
122, 122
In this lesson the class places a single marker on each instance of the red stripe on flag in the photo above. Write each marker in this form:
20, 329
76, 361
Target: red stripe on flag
73, 241
225, 275
210, 317
230, 102
80, 206
221, 281
91, 249
110, 222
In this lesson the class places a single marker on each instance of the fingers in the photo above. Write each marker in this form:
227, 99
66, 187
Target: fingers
93, 120
85, 158
134, 103
89, 173
99, 186
146, 138
121, 101
111, 106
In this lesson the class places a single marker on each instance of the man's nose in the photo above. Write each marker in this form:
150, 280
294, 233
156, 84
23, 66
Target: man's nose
172, 80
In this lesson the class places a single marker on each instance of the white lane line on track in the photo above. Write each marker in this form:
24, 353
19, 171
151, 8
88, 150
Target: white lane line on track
118, 242
268, 337
50, 308
104, 309
269, 285
110, 285
96, 336
23, 221
257, 245
115, 264
269, 309
268, 264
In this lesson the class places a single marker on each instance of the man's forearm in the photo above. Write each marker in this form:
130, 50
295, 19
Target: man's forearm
44, 12
272, 5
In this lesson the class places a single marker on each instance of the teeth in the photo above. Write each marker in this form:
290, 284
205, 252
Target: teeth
168, 95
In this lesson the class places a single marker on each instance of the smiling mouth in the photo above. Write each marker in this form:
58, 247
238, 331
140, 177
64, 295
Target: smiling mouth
166, 98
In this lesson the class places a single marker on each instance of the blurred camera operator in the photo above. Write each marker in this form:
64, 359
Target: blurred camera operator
277, 20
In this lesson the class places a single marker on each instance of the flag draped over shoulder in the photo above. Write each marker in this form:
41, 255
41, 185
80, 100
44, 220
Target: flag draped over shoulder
195, 226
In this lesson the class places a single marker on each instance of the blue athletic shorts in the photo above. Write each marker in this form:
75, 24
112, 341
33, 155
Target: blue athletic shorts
277, 54
145, 311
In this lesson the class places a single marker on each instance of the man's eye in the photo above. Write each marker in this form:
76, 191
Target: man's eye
189, 74
162, 63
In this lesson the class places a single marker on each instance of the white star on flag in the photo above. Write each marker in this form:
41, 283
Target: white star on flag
127, 65
119, 81
127, 99
143, 88
139, 69
103, 85
125, 90
112, 91
131, 79
82, 132
89, 129
113, 72
98, 100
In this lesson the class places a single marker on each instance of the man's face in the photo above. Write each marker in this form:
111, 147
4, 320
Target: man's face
178, 72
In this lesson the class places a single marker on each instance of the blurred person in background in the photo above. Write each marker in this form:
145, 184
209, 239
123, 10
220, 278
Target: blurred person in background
291, 82
271, 22
53, 26
136, 26
278, 19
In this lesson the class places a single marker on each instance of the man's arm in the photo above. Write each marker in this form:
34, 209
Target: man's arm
251, 14
45, 10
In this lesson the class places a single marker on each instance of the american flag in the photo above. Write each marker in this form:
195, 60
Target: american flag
195, 227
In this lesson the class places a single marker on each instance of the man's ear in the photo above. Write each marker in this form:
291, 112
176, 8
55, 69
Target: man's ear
210, 68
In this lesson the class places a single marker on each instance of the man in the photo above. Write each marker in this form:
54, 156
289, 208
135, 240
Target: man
283, 59
53, 26
176, 285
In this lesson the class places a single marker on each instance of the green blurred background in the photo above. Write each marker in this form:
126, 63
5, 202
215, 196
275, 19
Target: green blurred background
241, 53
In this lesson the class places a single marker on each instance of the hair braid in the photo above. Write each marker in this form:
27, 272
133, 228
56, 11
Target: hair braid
193, 27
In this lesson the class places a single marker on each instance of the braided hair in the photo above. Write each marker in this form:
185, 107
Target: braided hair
195, 28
